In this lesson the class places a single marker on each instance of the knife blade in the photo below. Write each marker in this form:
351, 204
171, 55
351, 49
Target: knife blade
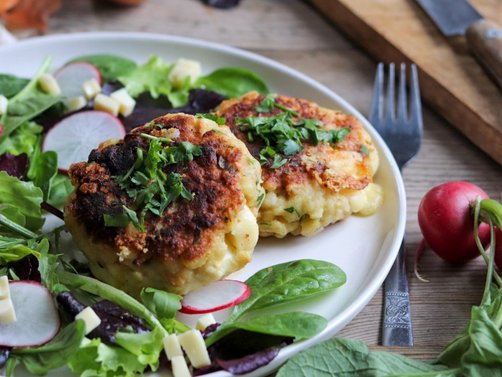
484, 37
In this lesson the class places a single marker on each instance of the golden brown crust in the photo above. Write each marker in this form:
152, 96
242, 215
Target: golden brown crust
313, 162
185, 231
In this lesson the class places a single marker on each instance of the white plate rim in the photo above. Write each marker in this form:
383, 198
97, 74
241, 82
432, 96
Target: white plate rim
393, 245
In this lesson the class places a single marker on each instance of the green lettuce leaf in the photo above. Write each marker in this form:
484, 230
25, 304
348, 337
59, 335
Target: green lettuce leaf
152, 77
233, 82
137, 352
25, 196
23, 140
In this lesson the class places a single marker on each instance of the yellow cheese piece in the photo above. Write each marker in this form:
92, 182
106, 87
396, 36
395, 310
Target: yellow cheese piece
195, 348
126, 102
182, 69
3, 104
49, 84
7, 312
75, 104
91, 88
205, 321
172, 346
108, 104
4, 287
180, 367
90, 318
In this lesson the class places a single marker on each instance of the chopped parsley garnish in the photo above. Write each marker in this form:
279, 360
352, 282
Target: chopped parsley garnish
284, 133
295, 211
364, 150
148, 185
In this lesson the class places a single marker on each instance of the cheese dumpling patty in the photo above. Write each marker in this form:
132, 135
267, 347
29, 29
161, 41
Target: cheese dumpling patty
317, 164
173, 206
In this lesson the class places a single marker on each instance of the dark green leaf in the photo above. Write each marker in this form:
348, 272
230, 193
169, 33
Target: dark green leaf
232, 82
111, 67
11, 85
298, 325
162, 303
43, 168
291, 281
56, 353
25, 196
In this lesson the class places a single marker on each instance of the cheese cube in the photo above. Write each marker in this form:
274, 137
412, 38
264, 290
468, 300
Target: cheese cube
204, 321
125, 101
180, 367
182, 69
3, 104
105, 103
91, 88
75, 104
195, 348
7, 312
90, 318
172, 346
4, 287
49, 84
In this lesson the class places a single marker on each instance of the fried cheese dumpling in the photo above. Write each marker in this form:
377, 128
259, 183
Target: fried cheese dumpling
173, 206
317, 164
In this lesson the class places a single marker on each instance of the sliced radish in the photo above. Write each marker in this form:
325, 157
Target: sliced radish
37, 317
216, 296
75, 136
71, 77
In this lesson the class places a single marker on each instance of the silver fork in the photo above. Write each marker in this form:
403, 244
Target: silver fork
402, 132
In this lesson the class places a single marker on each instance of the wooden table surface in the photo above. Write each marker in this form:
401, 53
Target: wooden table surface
292, 32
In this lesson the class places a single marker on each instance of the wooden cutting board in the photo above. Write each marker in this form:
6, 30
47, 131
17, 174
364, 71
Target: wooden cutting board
452, 82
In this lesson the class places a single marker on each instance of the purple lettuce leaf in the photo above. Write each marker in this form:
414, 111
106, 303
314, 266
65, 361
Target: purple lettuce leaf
15, 166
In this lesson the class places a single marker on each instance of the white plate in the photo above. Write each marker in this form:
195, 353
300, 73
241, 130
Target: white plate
363, 247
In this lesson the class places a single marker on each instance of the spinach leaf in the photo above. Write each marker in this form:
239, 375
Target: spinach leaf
10, 85
161, 303
232, 82
60, 189
111, 67
27, 104
43, 168
298, 325
343, 358
291, 281
25, 196
14, 249
56, 353
281, 284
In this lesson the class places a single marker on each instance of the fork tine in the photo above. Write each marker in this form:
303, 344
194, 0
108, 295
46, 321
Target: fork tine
390, 93
401, 102
416, 107
376, 105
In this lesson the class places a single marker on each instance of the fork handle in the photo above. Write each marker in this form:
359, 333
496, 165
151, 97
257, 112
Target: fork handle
397, 329
485, 40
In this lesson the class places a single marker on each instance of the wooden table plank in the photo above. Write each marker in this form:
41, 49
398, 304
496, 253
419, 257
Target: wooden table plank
452, 81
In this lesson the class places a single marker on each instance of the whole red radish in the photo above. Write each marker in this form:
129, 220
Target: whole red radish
498, 248
447, 222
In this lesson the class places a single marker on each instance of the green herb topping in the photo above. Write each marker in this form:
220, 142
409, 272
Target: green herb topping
285, 133
148, 185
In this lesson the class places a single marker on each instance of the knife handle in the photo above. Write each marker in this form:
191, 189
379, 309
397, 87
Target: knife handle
485, 41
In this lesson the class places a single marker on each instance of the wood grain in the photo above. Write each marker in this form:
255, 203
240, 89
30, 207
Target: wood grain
452, 81
294, 33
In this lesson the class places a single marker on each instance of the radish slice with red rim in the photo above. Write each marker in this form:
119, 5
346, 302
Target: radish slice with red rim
75, 136
37, 317
216, 296
71, 77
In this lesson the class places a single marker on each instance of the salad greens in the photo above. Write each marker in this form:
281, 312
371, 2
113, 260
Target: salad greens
27, 188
